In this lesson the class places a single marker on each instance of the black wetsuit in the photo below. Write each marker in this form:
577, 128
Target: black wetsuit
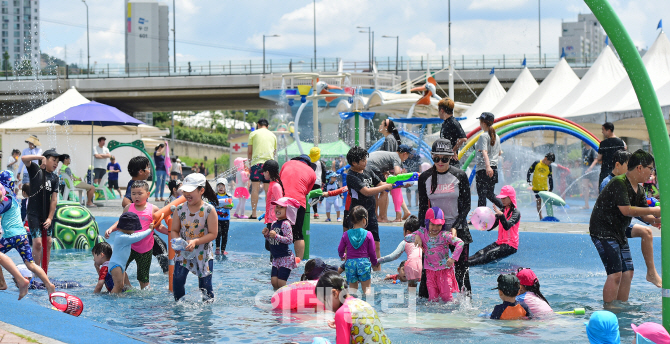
494, 251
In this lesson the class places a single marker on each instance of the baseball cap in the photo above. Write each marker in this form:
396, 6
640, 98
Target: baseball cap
508, 284
129, 222
435, 216
654, 332
487, 116
192, 181
404, 149
51, 152
270, 166
442, 147
526, 276
306, 159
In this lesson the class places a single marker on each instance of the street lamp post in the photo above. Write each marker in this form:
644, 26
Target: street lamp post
174, 38
397, 44
264, 50
369, 32
88, 51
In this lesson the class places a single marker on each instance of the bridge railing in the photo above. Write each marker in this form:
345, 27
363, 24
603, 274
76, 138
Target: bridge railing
380, 81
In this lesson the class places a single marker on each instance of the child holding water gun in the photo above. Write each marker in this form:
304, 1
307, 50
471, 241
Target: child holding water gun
435, 240
413, 266
355, 320
195, 221
223, 213
280, 236
360, 250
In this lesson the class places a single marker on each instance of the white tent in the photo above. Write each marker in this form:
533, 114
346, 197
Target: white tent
74, 140
554, 87
605, 73
622, 97
492, 94
523, 87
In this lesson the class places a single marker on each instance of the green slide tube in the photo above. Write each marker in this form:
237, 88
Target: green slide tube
653, 118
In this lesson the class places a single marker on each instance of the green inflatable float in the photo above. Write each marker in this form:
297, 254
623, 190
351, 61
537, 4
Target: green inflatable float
74, 227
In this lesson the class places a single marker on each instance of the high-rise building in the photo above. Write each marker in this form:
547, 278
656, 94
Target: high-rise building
147, 30
20, 28
582, 40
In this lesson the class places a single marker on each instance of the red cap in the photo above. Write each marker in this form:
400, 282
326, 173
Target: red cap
526, 277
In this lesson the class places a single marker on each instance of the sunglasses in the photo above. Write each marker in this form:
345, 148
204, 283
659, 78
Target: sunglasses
444, 159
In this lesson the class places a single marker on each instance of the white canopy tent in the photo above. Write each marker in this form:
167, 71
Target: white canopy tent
560, 81
523, 87
492, 94
74, 140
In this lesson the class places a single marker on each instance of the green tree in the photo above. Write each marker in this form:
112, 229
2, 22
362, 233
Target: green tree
162, 117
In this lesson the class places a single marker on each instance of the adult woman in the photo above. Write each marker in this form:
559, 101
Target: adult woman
447, 188
392, 144
161, 174
175, 170
195, 168
487, 151
392, 137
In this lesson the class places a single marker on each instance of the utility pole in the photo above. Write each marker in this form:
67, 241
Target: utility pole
539, 30
369, 32
88, 51
174, 40
264, 50
314, 34
451, 68
397, 42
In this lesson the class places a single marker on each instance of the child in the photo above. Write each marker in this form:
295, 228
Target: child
360, 249
355, 320
21, 282
529, 292
510, 309
270, 172
412, 268
113, 176
508, 236
241, 187
14, 163
363, 186
131, 232
315, 268
542, 178
173, 187
195, 222
141, 251
223, 213
102, 253
280, 236
333, 201
14, 234
400, 276
603, 327
440, 276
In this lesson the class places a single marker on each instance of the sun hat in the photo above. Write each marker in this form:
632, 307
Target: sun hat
442, 147
291, 206
526, 277
33, 139
508, 284
192, 181
602, 328
653, 332
315, 154
129, 222
435, 216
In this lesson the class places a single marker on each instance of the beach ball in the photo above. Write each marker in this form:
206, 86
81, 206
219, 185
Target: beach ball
483, 218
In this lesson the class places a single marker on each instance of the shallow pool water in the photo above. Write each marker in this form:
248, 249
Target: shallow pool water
567, 265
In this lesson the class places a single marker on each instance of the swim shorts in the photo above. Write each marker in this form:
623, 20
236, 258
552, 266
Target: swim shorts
615, 257
281, 273
373, 225
35, 226
299, 222
143, 262
629, 231
358, 269
19, 243
256, 175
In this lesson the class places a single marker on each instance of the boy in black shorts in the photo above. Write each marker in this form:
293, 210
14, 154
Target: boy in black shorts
620, 201
363, 186
113, 169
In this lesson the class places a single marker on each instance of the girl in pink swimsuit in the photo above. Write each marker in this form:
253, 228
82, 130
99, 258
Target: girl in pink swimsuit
414, 264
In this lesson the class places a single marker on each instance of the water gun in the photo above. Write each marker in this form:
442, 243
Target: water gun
400, 179
577, 311
336, 192
227, 203
653, 202
316, 193
260, 218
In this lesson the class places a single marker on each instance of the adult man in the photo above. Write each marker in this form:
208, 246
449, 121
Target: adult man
542, 178
620, 201
33, 149
588, 157
451, 129
608, 146
43, 199
262, 147
78, 183
381, 163
298, 178
101, 154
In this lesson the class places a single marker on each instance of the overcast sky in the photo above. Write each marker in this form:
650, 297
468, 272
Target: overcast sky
225, 29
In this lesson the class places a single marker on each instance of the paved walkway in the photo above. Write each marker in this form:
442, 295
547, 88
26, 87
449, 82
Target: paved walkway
12, 334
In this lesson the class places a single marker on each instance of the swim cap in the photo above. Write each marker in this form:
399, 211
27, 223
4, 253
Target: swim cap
603, 327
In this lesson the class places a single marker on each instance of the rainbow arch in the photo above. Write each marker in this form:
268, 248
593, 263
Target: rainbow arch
516, 124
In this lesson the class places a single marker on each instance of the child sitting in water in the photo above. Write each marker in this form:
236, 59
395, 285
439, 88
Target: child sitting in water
102, 252
413, 266
440, 276
196, 222
529, 293
131, 232
360, 250
279, 237
355, 320
510, 309
400, 276
314, 268
507, 220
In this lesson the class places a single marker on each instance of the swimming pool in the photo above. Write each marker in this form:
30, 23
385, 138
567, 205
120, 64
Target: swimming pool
567, 265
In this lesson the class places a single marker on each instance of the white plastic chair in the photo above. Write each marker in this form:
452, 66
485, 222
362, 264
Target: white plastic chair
102, 186
69, 187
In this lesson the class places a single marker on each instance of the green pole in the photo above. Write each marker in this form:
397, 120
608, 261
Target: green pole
356, 115
653, 118
305, 230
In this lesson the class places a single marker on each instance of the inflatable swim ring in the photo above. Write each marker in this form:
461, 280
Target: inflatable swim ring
296, 296
74, 227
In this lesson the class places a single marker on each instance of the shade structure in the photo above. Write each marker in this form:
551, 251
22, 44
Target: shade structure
553, 88
523, 87
492, 94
